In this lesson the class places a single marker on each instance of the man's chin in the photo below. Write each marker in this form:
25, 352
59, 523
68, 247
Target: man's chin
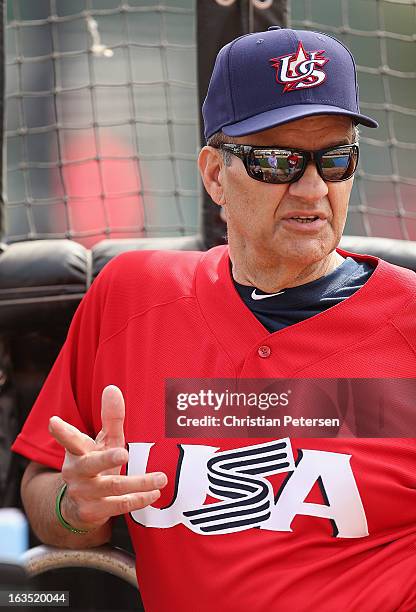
306, 248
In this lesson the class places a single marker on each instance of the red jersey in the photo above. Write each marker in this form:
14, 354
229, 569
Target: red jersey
332, 527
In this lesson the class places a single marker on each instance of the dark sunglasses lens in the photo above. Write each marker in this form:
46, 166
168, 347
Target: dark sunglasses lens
339, 164
274, 165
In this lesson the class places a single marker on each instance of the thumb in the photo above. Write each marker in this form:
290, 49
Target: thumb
112, 417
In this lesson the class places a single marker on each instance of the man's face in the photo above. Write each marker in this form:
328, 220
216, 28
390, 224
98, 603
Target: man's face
260, 216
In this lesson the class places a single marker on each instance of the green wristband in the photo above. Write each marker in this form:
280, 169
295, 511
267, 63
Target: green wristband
59, 515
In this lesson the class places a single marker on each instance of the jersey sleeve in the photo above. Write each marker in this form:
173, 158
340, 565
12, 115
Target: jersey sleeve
67, 389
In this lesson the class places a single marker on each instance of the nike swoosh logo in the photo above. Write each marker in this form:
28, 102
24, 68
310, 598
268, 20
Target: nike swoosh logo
255, 296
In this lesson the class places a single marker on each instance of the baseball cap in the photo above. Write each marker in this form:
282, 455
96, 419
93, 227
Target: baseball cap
265, 79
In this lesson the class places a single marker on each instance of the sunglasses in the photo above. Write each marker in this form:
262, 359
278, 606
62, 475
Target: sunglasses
280, 166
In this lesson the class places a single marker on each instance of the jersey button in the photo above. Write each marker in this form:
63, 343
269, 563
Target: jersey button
264, 351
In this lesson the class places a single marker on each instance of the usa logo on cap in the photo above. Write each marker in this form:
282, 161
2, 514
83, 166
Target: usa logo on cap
300, 70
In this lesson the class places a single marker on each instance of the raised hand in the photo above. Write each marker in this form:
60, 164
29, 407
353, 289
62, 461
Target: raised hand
95, 489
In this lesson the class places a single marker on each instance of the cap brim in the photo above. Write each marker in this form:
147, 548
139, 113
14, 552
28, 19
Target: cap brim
278, 116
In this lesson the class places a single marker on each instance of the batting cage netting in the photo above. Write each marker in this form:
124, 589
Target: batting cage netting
381, 36
102, 120
102, 111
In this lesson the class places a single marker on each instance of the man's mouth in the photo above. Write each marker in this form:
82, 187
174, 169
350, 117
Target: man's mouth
306, 219
305, 223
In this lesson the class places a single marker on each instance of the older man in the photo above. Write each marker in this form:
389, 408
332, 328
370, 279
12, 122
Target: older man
250, 524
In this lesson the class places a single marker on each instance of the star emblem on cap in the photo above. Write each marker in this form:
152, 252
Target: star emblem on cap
300, 70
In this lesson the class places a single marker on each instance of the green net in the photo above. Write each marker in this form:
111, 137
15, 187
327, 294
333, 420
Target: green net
101, 119
381, 36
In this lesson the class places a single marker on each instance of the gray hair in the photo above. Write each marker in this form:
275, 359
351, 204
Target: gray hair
218, 139
356, 133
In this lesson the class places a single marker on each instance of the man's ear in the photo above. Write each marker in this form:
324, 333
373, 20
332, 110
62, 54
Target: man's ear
210, 164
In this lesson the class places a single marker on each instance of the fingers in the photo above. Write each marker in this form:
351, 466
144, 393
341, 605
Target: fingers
70, 437
114, 486
93, 496
112, 416
93, 463
92, 513
94, 501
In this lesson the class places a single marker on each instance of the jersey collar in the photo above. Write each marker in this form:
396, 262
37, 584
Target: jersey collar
240, 333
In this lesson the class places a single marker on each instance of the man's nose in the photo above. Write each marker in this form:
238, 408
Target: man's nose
310, 187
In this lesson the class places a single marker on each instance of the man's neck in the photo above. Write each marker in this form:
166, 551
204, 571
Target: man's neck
270, 278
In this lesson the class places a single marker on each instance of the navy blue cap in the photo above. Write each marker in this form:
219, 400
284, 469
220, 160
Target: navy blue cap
269, 78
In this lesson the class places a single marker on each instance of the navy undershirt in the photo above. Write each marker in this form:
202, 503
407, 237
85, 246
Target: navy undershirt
299, 303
